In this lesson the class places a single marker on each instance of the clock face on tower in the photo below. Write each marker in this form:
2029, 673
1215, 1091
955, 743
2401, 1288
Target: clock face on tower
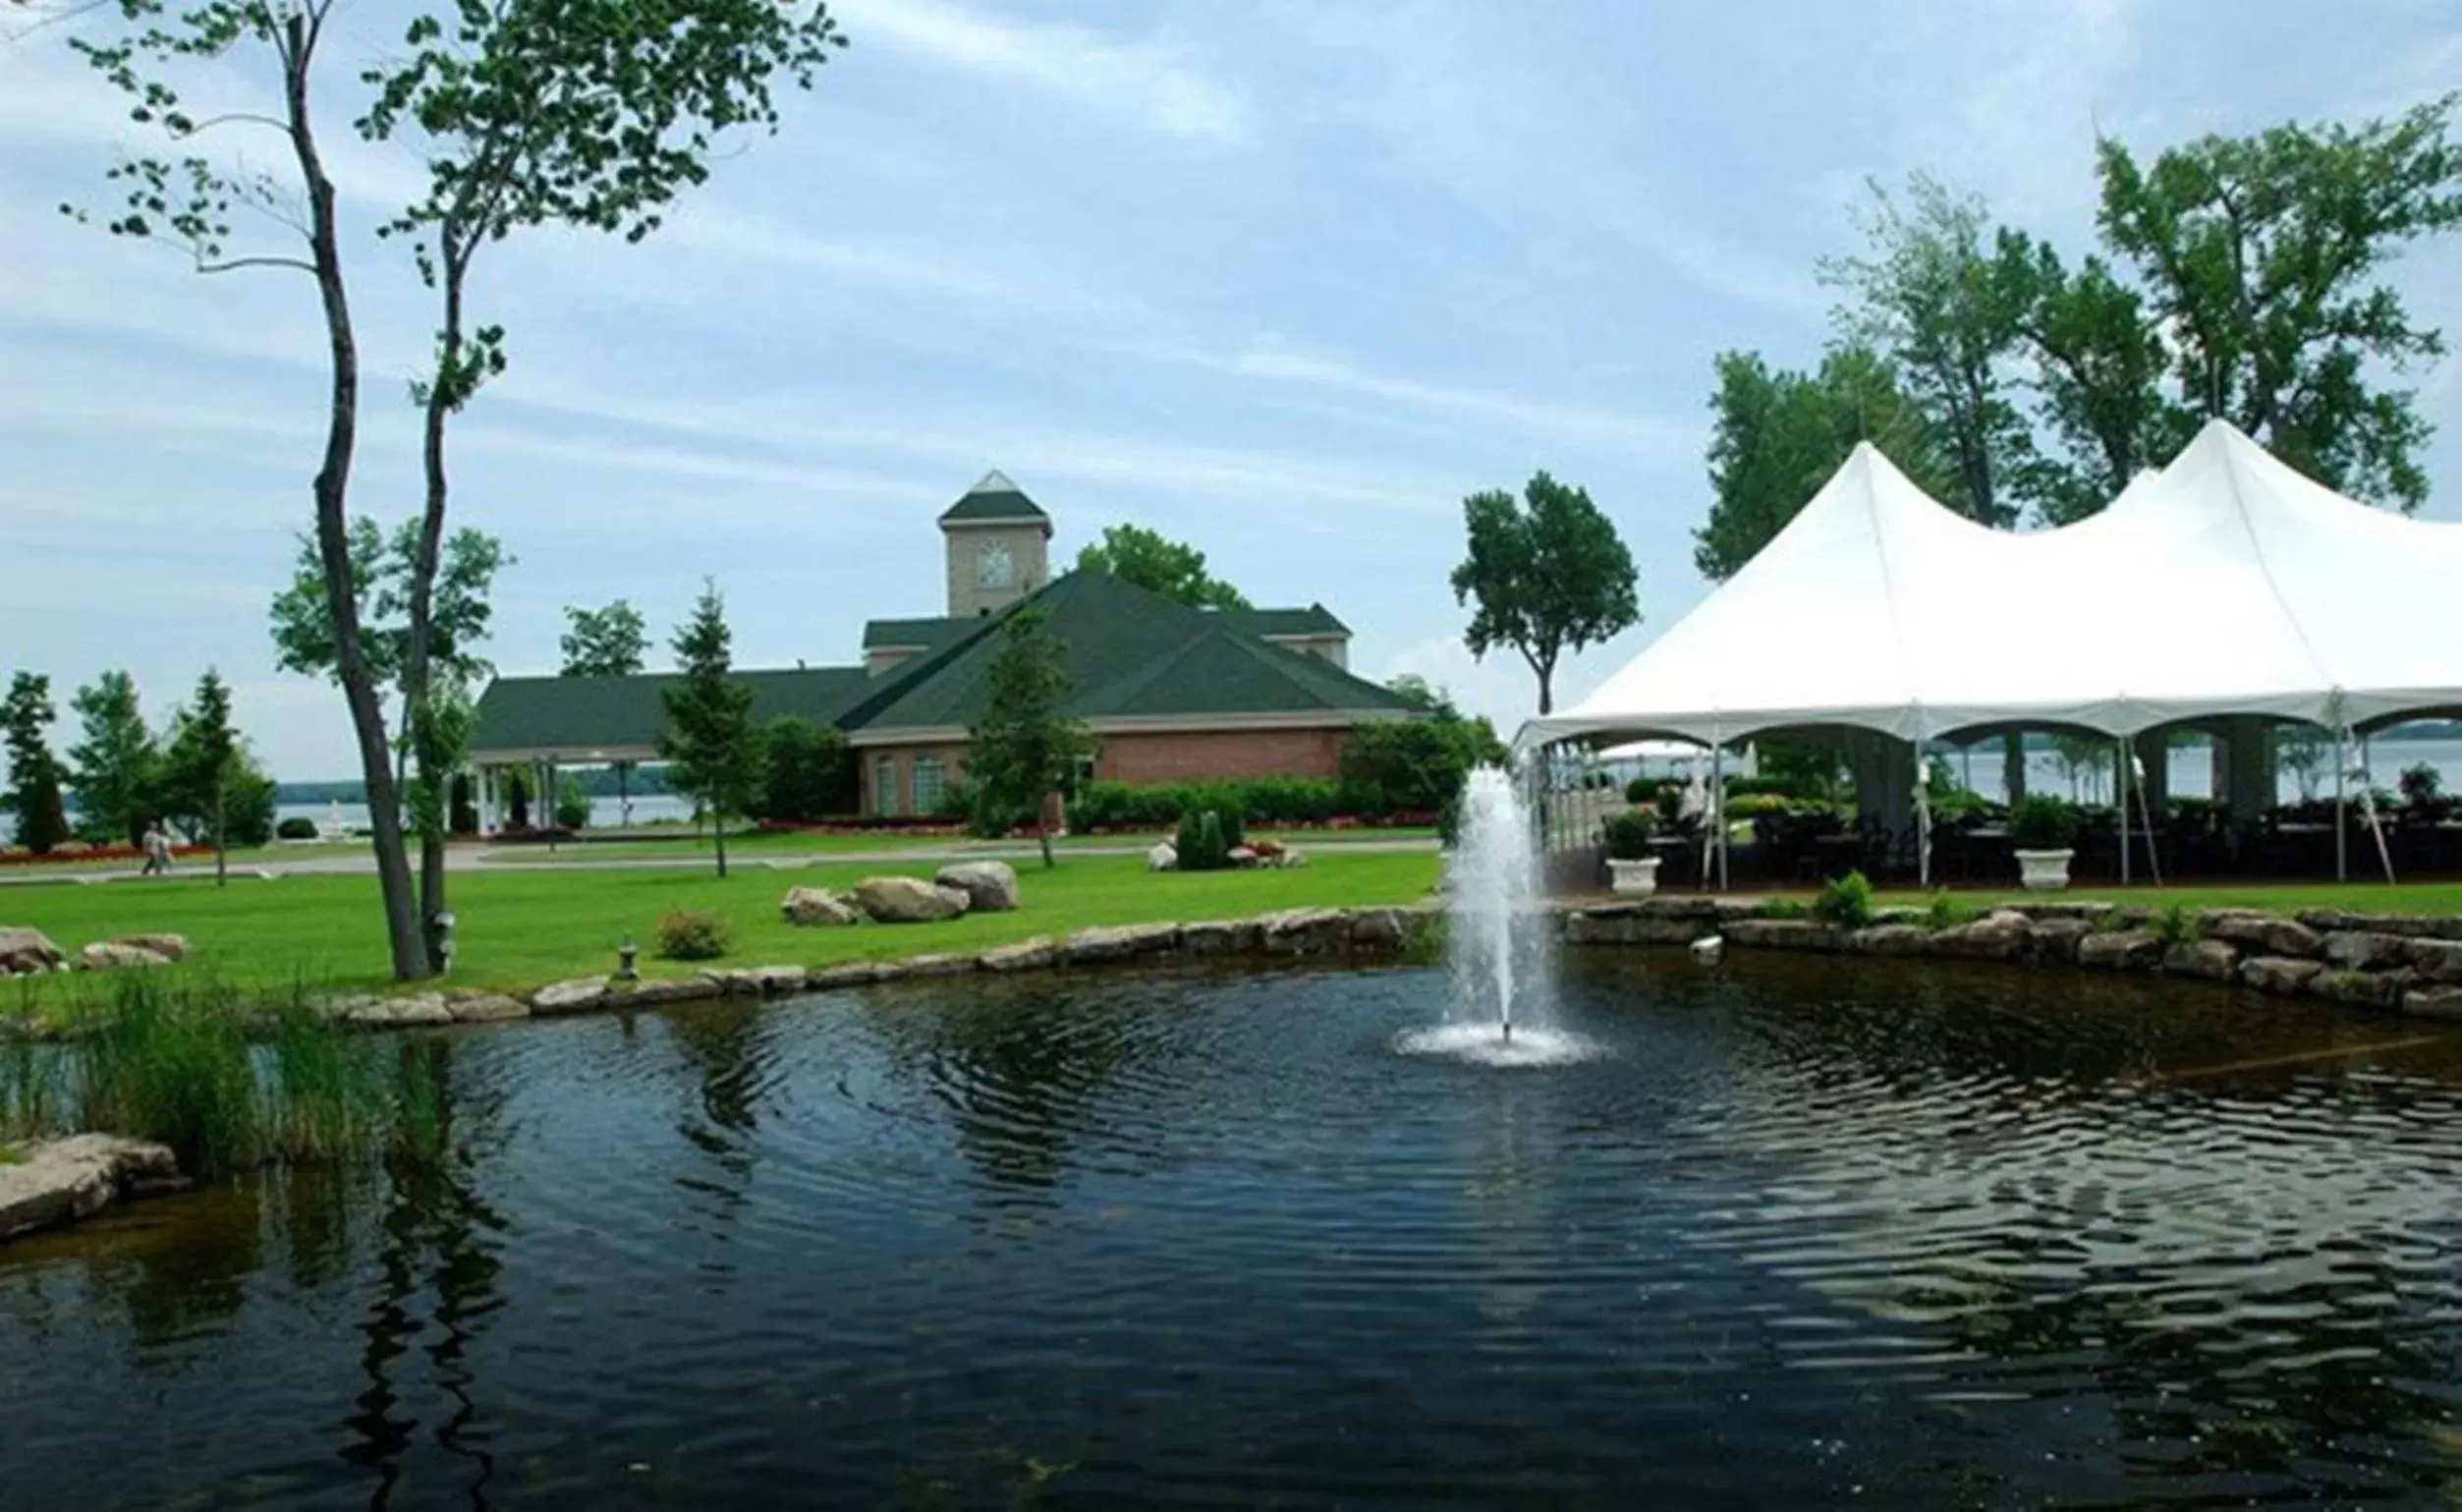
995, 568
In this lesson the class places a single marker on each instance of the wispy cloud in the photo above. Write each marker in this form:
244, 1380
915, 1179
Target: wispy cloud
1154, 82
1276, 364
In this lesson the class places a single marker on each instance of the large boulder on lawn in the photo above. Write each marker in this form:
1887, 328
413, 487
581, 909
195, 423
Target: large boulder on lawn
112, 956
989, 885
909, 899
1164, 857
808, 905
24, 952
171, 947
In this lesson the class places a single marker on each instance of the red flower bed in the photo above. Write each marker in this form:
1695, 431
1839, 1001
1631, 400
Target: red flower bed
68, 854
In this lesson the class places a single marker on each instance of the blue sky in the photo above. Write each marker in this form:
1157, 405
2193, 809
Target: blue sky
1286, 280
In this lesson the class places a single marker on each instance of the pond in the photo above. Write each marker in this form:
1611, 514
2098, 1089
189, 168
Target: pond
1800, 1232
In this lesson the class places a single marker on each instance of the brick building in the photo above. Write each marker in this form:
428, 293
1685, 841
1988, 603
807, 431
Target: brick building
1170, 694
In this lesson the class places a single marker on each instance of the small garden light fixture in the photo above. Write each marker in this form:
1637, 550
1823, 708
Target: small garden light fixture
628, 961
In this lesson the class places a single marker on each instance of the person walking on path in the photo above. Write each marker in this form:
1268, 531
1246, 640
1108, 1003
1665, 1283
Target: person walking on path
157, 850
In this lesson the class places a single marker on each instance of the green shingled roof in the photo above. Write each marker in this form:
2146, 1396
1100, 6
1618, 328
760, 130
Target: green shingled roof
1131, 653
1315, 620
995, 498
579, 713
929, 635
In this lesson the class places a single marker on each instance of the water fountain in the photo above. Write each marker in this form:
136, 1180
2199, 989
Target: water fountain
1501, 941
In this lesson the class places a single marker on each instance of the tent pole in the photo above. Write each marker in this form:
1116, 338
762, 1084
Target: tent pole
1718, 808
2146, 812
1923, 818
2120, 791
2341, 821
2367, 807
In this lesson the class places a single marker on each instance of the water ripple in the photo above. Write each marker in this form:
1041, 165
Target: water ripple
1778, 1234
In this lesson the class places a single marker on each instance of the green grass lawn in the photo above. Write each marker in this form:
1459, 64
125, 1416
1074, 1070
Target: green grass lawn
521, 930
757, 847
750, 846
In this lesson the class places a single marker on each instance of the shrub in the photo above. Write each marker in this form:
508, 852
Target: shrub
1754, 806
806, 773
1640, 791
1413, 765
1449, 823
1943, 914
1201, 843
2176, 926
296, 829
1234, 832
1629, 835
2421, 785
572, 805
2043, 823
1671, 801
1845, 903
688, 937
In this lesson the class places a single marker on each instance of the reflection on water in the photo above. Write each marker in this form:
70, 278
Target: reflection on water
1805, 1232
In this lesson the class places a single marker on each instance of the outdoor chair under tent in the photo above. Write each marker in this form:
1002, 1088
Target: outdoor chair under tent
2226, 592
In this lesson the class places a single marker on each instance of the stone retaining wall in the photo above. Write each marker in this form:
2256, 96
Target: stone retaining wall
1296, 932
2405, 964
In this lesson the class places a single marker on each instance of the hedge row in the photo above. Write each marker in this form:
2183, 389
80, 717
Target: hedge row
1267, 801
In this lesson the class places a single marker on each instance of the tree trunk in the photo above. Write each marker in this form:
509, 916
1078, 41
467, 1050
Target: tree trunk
1043, 835
444, 392
222, 859
718, 834
1546, 688
2013, 767
333, 545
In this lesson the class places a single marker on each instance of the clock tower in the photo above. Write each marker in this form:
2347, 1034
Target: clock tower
998, 544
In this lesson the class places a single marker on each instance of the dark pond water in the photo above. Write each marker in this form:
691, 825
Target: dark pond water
1807, 1234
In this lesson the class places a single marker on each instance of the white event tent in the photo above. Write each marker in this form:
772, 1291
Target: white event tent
2226, 585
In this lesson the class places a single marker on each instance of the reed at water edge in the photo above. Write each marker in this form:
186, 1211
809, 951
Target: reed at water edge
227, 1083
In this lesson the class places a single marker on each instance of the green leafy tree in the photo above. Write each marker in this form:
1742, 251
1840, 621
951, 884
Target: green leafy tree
384, 570
2098, 366
39, 814
199, 767
1777, 436
180, 191
1396, 766
1932, 298
1551, 577
613, 642
1135, 554
118, 766
575, 114
711, 745
805, 771
2261, 257
1022, 749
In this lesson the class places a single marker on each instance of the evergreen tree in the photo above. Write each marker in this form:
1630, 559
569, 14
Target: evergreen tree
1022, 749
713, 752
118, 766
32, 799
200, 765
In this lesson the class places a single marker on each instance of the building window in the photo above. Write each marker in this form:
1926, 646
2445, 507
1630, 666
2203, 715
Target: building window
885, 785
931, 784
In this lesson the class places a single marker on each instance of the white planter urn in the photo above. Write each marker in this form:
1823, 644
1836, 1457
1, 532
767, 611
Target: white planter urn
1635, 878
2043, 870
